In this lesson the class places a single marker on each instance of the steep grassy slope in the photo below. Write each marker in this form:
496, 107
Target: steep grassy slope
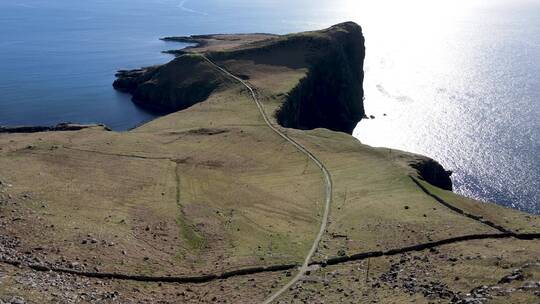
212, 188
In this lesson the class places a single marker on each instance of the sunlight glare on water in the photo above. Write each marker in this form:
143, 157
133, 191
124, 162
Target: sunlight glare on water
453, 81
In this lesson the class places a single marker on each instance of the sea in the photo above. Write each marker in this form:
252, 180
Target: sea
458, 81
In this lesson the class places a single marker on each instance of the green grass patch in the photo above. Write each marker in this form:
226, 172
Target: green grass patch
193, 238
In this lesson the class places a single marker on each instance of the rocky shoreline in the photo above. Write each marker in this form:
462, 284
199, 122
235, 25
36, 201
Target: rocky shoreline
66, 126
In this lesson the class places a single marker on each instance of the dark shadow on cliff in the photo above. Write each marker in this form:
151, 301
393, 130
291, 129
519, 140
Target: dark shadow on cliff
331, 95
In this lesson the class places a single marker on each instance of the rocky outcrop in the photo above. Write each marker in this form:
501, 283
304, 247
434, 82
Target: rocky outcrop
423, 167
433, 172
128, 80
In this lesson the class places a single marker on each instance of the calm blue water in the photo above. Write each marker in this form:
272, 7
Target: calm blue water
458, 80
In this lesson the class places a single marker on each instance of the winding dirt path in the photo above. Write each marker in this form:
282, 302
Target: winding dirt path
327, 181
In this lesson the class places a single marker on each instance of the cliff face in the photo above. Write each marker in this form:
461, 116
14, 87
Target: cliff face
331, 94
433, 172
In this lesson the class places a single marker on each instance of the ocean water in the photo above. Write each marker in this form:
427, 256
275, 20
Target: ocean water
460, 83
454, 80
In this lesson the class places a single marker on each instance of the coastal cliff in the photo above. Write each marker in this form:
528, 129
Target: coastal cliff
175, 86
252, 174
329, 96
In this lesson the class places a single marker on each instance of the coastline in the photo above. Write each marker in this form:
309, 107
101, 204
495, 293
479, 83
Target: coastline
214, 193
65, 126
429, 169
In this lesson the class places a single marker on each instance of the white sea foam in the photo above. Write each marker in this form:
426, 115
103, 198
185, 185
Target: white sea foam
182, 6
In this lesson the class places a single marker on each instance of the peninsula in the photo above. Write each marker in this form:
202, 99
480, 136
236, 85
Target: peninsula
252, 190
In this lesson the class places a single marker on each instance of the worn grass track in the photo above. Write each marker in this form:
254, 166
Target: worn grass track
327, 181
